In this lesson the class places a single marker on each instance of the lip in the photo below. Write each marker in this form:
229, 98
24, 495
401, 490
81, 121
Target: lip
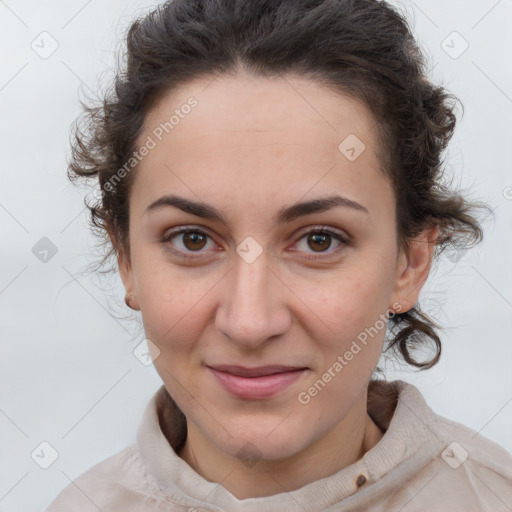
258, 371
256, 383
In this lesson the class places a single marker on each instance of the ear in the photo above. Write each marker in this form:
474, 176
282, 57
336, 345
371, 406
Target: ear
413, 269
125, 271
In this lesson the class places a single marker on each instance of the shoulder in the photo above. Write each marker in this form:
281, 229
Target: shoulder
116, 483
462, 445
464, 470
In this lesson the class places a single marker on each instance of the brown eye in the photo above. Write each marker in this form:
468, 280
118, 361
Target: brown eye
319, 241
194, 240
186, 241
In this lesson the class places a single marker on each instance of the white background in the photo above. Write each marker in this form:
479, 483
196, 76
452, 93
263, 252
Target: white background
68, 375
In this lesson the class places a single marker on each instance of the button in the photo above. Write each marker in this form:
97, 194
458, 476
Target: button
361, 480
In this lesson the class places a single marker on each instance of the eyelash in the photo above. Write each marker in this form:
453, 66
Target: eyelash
315, 230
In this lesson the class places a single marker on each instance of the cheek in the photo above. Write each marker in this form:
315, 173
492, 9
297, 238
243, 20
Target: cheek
173, 316
168, 310
352, 308
172, 304
350, 301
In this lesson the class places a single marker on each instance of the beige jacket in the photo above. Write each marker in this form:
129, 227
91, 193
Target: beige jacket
423, 463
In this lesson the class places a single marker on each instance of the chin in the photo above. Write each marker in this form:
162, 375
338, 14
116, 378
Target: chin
252, 444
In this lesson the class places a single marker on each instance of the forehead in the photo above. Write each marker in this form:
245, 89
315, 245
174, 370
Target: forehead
259, 108
260, 135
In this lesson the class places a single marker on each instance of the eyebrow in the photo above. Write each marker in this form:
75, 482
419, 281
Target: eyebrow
286, 214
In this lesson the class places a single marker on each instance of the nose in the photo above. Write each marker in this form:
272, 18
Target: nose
253, 305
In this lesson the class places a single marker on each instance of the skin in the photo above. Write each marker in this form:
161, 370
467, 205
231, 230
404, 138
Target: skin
251, 147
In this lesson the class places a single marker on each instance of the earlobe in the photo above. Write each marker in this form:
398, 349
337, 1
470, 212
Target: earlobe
413, 269
126, 273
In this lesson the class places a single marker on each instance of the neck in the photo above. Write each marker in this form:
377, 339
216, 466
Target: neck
343, 445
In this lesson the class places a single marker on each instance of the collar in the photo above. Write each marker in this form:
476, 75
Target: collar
397, 407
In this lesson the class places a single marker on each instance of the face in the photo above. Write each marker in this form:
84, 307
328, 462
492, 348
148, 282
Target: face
262, 282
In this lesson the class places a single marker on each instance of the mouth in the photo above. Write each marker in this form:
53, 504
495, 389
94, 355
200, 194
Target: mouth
260, 371
256, 383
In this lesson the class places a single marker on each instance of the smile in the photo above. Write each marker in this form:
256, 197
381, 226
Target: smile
256, 383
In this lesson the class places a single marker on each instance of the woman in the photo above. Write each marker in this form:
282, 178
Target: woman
270, 177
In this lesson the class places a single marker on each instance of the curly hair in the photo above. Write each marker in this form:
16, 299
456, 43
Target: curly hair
363, 48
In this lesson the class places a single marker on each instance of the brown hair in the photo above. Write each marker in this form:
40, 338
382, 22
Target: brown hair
363, 48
